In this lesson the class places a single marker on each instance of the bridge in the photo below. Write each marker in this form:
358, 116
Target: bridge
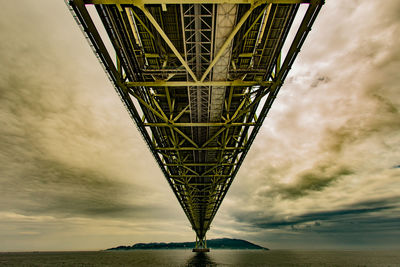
198, 79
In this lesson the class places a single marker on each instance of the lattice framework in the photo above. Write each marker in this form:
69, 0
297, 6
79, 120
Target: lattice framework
198, 93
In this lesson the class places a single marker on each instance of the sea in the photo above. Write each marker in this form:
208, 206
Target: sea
213, 258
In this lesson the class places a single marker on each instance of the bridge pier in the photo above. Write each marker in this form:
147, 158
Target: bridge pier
201, 245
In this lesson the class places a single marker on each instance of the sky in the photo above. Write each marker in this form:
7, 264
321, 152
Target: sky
323, 172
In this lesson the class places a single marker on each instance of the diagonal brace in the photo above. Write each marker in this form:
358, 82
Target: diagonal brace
167, 40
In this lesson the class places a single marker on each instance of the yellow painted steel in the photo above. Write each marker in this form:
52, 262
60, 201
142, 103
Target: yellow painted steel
166, 39
198, 148
200, 124
237, 83
199, 156
144, 2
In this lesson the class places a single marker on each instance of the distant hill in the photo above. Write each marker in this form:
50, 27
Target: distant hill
219, 243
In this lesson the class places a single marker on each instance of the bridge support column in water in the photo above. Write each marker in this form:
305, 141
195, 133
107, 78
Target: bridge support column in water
201, 245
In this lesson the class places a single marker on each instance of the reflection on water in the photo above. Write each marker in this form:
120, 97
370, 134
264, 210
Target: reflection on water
201, 259
172, 258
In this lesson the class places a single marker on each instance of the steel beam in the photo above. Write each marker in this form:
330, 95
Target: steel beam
200, 164
200, 124
206, 176
198, 148
237, 83
160, 2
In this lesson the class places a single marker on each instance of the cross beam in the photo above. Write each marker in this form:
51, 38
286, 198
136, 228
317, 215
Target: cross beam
198, 148
200, 124
238, 83
145, 2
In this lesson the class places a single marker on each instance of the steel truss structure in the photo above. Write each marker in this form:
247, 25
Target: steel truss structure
198, 78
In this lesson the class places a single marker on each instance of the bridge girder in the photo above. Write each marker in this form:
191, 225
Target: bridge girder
198, 149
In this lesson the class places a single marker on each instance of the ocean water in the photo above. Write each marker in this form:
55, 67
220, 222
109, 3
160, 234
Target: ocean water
214, 258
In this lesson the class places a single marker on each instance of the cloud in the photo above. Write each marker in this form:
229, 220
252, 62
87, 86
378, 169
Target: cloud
357, 217
314, 179
48, 187
317, 217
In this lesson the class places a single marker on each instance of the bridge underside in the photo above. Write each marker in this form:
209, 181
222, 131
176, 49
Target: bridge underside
198, 78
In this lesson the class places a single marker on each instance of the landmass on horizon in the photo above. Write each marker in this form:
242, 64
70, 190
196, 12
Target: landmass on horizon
218, 243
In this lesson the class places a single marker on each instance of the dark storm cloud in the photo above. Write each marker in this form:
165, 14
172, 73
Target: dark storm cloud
374, 215
50, 188
316, 217
360, 128
314, 179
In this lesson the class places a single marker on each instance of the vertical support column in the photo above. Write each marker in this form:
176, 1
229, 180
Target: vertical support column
201, 245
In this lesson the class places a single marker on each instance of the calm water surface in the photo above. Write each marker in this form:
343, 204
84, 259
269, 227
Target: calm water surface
214, 258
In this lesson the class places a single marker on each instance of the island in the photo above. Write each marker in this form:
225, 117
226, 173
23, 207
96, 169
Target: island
218, 243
